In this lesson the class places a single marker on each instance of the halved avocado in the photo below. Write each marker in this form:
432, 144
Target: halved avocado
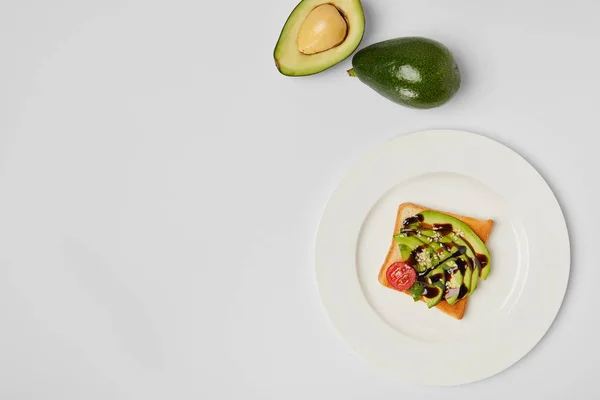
319, 34
462, 230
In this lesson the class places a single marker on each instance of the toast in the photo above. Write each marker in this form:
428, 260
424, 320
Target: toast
481, 227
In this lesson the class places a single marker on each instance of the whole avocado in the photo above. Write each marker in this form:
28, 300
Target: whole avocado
412, 71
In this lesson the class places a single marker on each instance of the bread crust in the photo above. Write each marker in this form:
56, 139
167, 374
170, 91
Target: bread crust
481, 227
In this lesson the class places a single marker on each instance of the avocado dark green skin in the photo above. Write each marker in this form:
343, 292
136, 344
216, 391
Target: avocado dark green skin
413, 71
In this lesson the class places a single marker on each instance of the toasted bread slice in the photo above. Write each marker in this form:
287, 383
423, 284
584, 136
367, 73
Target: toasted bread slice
481, 227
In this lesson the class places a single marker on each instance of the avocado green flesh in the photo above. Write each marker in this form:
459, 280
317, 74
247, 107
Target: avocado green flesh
477, 245
453, 299
407, 245
474, 280
468, 276
424, 237
454, 283
473, 261
436, 282
415, 252
437, 275
442, 249
428, 236
436, 288
288, 58
412, 71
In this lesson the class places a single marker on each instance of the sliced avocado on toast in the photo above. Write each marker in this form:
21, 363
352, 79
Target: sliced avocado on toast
446, 254
413, 234
463, 231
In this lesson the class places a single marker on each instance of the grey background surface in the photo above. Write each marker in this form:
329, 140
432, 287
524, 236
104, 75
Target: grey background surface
161, 186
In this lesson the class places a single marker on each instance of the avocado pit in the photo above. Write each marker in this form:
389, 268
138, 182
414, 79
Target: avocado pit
323, 29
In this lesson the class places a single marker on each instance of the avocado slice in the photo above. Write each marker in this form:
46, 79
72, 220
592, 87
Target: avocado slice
412, 71
305, 47
407, 245
433, 294
437, 275
437, 286
415, 252
465, 267
453, 282
456, 240
476, 274
442, 248
462, 231
434, 289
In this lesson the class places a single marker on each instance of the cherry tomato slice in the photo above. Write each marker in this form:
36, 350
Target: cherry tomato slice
401, 276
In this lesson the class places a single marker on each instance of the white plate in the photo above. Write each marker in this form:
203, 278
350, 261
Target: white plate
508, 314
